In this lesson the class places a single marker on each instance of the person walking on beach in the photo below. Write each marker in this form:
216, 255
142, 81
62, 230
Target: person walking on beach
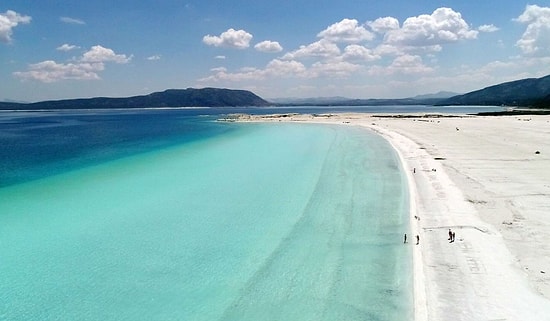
453, 237
405, 239
417, 239
450, 235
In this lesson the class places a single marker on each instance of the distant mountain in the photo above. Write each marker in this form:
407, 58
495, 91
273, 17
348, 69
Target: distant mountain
309, 101
14, 101
428, 99
191, 97
439, 95
526, 92
341, 102
533, 92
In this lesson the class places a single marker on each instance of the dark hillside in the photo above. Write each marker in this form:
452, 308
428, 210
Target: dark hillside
525, 92
206, 97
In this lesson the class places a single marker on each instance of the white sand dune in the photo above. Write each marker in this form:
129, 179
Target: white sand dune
487, 179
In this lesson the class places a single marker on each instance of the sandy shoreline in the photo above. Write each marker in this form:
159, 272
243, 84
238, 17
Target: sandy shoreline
488, 179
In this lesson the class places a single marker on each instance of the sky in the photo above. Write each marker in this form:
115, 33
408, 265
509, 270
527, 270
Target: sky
59, 49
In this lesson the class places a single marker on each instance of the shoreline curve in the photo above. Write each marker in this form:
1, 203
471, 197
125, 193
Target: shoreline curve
486, 178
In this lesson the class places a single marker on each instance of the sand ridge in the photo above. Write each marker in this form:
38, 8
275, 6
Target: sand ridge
488, 180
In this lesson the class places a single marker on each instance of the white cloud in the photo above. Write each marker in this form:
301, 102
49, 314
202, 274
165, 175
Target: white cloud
405, 64
49, 71
231, 38
9, 20
102, 54
268, 46
409, 64
219, 57
347, 30
488, 28
359, 53
536, 38
153, 57
72, 21
387, 50
85, 68
279, 67
332, 69
444, 25
223, 75
275, 68
67, 47
383, 25
404, 51
322, 48
219, 69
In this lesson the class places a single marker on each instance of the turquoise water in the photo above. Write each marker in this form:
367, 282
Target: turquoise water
260, 222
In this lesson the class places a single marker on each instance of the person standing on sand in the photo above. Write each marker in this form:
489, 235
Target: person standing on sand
450, 235
417, 239
405, 239
453, 237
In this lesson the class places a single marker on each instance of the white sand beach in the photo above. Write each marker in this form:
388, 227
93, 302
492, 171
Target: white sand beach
488, 180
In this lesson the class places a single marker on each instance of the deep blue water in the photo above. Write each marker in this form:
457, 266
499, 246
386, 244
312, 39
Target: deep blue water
39, 144
43, 143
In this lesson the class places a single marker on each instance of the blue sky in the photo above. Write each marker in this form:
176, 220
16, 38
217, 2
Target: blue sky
358, 48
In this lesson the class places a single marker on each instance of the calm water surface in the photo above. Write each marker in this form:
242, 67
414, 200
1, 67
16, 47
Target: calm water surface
169, 215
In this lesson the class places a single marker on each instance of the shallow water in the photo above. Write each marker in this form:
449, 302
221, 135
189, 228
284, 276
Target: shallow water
249, 222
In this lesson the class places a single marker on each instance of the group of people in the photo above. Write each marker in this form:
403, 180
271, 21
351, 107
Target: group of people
417, 239
451, 236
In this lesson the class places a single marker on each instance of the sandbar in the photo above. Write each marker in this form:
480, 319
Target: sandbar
487, 178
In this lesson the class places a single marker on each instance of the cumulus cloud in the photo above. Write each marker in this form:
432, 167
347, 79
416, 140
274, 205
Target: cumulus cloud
84, 68
444, 25
279, 67
383, 25
231, 38
72, 21
536, 38
50, 71
405, 64
67, 47
153, 57
333, 69
409, 64
268, 46
488, 28
345, 48
356, 52
219, 69
102, 54
9, 20
219, 57
322, 48
347, 30
275, 68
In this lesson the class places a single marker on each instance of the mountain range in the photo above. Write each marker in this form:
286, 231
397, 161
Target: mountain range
191, 97
429, 99
530, 92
